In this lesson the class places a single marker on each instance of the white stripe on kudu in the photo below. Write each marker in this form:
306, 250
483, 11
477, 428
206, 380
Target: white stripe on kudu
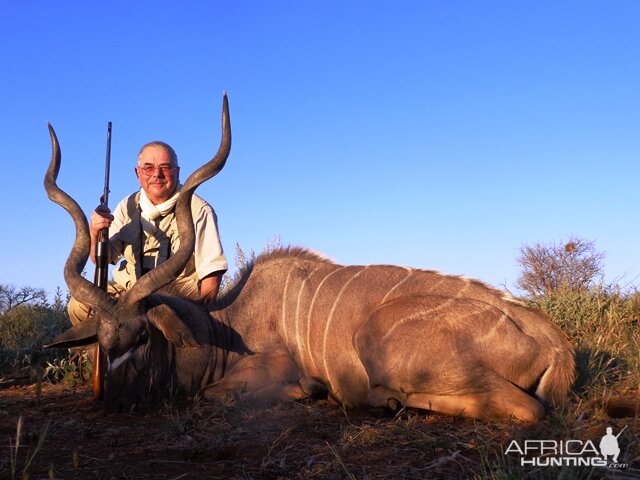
314, 367
284, 304
330, 317
426, 311
409, 272
112, 366
306, 281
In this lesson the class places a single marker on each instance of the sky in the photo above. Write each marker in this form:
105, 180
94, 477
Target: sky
436, 134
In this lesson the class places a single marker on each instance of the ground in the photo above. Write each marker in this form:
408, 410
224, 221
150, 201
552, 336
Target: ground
65, 435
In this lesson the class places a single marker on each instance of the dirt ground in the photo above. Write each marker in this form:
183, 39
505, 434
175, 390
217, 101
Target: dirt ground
65, 435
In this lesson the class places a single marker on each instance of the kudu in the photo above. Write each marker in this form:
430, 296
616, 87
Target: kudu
296, 324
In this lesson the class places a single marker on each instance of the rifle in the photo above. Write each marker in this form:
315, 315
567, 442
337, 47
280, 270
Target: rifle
101, 274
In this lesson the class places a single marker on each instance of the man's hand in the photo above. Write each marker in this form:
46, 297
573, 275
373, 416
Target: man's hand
209, 287
100, 218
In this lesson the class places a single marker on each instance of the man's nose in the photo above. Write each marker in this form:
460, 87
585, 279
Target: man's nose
157, 172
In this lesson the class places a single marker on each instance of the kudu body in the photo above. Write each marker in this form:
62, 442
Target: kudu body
296, 324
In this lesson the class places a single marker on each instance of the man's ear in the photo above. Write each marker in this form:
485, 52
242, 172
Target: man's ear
80, 335
165, 319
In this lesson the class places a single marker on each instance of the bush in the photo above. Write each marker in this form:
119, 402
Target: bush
27, 323
28, 326
574, 265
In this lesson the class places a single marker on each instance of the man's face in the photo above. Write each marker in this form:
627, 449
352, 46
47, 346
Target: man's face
161, 178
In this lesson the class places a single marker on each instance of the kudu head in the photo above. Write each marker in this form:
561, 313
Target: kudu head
132, 331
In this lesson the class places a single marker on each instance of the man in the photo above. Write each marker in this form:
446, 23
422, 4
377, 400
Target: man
143, 232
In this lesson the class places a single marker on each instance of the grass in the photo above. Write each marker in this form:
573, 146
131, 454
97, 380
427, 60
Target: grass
21, 462
604, 326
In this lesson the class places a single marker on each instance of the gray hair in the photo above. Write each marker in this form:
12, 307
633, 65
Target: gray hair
157, 143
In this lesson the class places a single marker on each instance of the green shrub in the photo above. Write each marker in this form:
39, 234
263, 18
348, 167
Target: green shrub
70, 371
602, 323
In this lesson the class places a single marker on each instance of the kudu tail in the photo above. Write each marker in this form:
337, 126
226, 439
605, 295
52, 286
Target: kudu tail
555, 383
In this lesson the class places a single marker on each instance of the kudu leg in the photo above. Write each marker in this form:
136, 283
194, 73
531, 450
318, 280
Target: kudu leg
258, 378
504, 400
416, 354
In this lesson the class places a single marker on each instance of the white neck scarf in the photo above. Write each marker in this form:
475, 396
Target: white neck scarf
151, 212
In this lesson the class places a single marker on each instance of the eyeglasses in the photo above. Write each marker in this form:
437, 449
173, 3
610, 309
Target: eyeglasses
149, 169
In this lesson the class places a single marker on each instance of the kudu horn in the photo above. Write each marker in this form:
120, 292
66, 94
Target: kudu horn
79, 287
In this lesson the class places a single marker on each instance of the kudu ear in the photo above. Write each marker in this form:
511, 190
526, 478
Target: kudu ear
80, 335
165, 319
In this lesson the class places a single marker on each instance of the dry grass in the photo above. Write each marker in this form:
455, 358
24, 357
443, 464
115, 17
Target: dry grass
67, 436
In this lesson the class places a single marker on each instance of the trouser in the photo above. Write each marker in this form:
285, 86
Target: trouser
79, 312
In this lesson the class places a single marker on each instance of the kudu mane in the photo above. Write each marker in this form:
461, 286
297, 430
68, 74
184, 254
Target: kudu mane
293, 254
241, 277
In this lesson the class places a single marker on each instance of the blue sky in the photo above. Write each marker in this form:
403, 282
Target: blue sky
436, 134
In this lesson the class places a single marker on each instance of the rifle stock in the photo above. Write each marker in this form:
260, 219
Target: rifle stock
101, 274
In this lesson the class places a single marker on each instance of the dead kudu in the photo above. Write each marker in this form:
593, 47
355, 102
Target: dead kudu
296, 324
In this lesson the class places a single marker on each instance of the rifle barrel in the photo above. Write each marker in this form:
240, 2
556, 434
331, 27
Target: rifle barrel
107, 167
101, 274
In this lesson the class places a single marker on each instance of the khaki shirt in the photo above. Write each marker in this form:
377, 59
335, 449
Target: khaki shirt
139, 253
